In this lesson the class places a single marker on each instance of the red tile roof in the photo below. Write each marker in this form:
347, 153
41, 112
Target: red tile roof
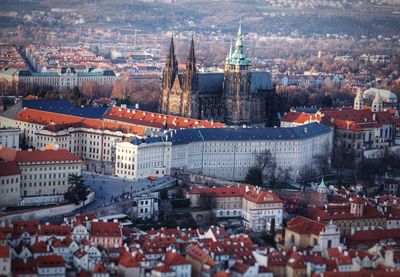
300, 117
55, 122
172, 258
7, 154
105, 229
45, 156
20, 227
302, 225
50, 261
249, 192
20, 267
361, 273
355, 120
4, 252
156, 120
240, 268
163, 268
197, 253
99, 268
371, 237
9, 168
54, 230
128, 261
39, 247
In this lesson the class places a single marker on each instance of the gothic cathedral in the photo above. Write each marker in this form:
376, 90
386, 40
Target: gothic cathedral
237, 96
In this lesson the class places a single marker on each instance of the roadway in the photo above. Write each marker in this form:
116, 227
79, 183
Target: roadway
110, 189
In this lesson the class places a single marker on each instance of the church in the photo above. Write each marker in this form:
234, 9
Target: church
237, 96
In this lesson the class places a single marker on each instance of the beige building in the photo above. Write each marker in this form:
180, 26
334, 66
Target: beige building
304, 233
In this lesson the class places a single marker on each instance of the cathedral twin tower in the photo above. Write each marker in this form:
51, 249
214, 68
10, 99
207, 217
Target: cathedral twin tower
237, 96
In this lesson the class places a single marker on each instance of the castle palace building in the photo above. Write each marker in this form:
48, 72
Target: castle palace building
236, 96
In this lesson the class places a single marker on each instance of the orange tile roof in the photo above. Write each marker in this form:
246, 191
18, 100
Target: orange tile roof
300, 117
302, 225
172, 258
55, 122
108, 229
129, 261
157, 120
249, 192
7, 154
356, 120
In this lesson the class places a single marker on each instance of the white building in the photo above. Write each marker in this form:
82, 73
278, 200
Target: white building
256, 207
67, 78
10, 178
80, 232
229, 152
141, 158
145, 206
91, 139
44, 173
9, 137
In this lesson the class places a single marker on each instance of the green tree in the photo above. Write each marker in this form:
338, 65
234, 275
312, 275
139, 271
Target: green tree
254, 176
77, 190
272, 229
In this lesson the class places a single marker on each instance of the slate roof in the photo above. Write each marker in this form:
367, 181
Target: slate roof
64, 107
247, 134
260, 80
212, 82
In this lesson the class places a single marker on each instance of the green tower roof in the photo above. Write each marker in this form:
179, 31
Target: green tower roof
238, 57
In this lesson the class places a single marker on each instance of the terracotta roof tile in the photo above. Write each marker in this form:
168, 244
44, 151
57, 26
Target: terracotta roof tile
9, 168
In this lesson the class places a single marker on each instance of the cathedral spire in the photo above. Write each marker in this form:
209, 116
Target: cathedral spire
171, 66
190, 72
192, 56
239, 40
171, 58
230, 50
238, 58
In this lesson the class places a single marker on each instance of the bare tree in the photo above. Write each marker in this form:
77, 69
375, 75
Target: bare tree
207, 200
306, 175
323, 160
266, 162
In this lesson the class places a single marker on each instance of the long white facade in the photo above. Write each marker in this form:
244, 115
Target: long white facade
230, 157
